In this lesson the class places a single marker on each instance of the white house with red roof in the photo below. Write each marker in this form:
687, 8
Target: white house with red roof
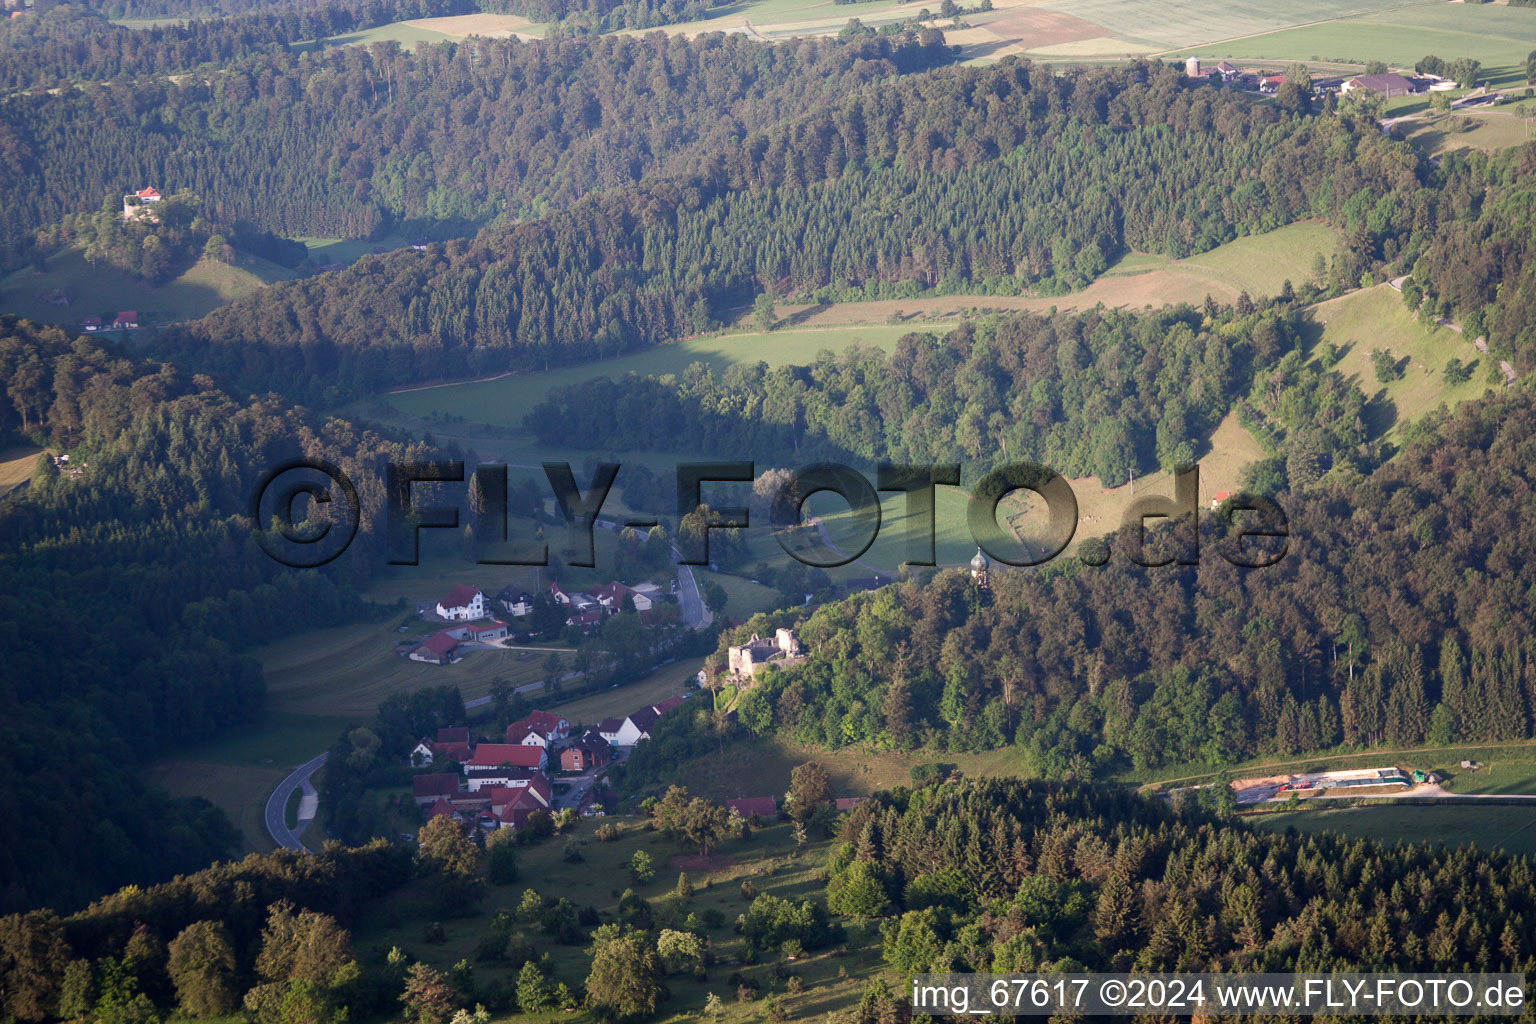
540, 729
136, 204
489, 756
463, 603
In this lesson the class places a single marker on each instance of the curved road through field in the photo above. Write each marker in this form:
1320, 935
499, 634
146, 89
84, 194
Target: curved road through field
694, 614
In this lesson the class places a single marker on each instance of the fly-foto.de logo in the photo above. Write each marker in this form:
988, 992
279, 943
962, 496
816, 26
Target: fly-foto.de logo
309, 535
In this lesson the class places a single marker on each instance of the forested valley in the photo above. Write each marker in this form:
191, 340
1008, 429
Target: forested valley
150, 552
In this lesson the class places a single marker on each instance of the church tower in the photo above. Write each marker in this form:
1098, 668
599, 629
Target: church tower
979, 566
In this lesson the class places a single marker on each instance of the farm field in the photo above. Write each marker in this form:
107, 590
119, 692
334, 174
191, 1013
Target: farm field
1498, 827
492, 26
347, 250
95, 291
1376, 318
1499, 36
771, 859
17, 464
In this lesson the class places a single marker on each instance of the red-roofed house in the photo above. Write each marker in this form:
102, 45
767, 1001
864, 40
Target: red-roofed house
442, 807
125, 318
91, 323
587, 621
609, 728
462, 604
527, 801
611, 596
1221, 496
540, 729
494, 755
148, 195
848, 803
437, 649
762, 806
428, 789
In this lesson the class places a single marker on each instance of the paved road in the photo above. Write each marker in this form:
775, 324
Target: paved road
277, 805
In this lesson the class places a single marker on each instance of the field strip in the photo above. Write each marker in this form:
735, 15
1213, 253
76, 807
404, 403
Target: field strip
1288, 28
1271, 767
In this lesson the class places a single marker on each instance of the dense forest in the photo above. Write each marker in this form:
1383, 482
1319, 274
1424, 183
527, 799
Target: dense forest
1010, 876
1105, 393
998, 178
64, 43
1399, 615
143, 543
350, 141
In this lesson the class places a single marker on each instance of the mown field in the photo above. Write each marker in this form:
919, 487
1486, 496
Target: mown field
1376, 318
1499, 36
829, 979
102, 291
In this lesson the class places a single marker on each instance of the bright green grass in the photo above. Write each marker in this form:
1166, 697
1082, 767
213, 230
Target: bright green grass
1376, 318
1493, 827
97, 291
1260, 264
1498, 36
408, 36
503, 402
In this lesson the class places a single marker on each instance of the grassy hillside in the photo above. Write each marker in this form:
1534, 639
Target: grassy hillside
1376, 318
17, 464
71, 289
829, 979
1487, 828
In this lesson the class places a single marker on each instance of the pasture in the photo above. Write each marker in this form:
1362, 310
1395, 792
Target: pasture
71, 289
1376, 318
17, 464
240, 791
1488, 827
1487, 131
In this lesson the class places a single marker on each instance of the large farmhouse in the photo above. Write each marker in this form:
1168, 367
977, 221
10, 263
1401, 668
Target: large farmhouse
463, 603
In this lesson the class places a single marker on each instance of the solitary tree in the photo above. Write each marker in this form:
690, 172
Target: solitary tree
625, 983
428, 996
809, 787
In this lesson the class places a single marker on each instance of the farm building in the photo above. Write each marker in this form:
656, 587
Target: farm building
437, 649
463, 603
1388, 85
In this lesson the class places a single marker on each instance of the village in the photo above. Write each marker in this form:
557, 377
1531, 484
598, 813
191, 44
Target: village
470, 621
502, 782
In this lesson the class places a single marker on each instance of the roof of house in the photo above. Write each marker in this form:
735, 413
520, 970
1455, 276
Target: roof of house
493, 755
1226, 68
644, 718
519, 731
452, 751
611, 593
127, 316
147, 193
546, 722
460, 596
439, 643
609, 726
848, 803
486, 625
1389, 82
746, 806
500, 774
663, 707
92, 321
585, 618
595, 746
514, 594
453, 734
436, 784
441, 807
